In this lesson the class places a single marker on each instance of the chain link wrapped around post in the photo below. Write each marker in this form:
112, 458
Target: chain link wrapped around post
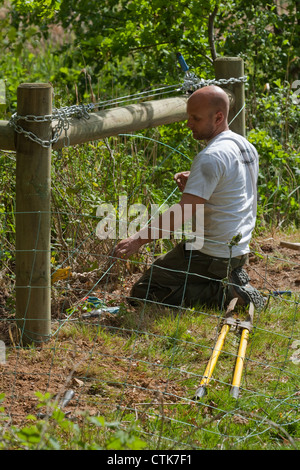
61, 115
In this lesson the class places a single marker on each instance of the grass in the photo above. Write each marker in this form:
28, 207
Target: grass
143, 380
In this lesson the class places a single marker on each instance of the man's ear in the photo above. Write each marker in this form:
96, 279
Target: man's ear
219, 117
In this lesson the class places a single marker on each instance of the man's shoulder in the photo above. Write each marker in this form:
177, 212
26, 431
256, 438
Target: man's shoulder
221, 143
229, 140
228, 136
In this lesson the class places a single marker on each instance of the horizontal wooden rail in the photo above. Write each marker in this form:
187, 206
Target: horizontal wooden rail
132, 118
110, 122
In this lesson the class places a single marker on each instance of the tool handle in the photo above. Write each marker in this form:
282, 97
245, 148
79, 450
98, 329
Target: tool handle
182, 62
215, 355
239, 364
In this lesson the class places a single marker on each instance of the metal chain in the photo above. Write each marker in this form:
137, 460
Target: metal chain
192, 82
62, 115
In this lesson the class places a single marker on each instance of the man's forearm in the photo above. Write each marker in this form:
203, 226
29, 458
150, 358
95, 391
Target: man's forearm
162, 226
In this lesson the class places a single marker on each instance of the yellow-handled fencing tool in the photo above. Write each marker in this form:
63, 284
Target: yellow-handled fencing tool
231, 320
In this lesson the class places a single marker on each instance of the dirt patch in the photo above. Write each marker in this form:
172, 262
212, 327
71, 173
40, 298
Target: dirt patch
56, 368
273, 267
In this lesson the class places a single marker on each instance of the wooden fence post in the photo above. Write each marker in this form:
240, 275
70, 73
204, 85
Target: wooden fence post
233, 67
33, 176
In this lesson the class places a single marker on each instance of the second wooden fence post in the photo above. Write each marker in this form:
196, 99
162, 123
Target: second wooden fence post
233, 67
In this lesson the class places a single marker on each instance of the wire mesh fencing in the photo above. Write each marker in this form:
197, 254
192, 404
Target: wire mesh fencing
143, 364
140, 366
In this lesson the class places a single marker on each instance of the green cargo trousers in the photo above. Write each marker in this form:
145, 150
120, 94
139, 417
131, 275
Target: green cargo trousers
185, 278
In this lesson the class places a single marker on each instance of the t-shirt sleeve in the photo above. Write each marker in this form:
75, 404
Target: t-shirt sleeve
206, 172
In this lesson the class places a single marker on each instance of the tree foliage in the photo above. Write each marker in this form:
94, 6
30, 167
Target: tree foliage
100, 49
136, 41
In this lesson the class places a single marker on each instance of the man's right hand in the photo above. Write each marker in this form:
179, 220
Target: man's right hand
128, 247
181, 179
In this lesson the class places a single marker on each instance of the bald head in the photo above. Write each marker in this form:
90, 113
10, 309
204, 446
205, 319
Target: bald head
208, 110
212, 97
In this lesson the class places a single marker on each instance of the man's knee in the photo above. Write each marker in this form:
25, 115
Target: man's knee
138, 290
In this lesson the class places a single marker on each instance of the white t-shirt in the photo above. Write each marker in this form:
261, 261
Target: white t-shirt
225, 174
